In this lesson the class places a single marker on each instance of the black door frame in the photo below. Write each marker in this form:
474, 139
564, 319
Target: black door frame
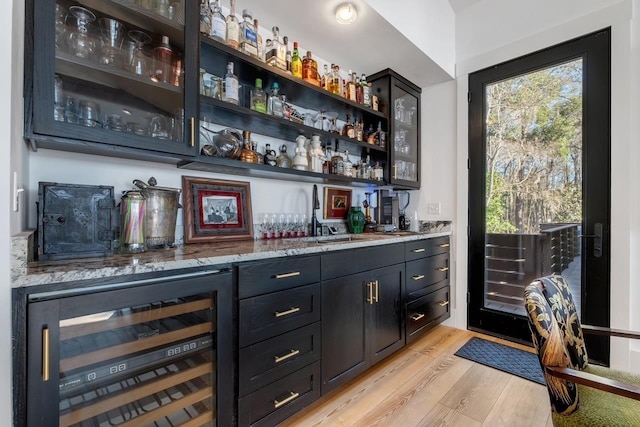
595, 50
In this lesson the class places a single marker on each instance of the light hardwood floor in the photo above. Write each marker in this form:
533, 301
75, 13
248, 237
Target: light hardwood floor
426, 385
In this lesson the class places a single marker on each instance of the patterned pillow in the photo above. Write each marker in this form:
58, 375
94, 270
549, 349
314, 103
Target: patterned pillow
548, 339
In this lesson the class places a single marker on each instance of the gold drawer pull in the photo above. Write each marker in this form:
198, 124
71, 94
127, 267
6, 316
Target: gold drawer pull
287, 312
370, 286
443, 303
286, 275
286, 356
45, 354
418, 277
443, 269
417, 251
277, 404
444, 245
377, 283
417, 317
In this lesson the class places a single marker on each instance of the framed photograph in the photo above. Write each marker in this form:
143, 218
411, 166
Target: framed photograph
216, 210
337, 202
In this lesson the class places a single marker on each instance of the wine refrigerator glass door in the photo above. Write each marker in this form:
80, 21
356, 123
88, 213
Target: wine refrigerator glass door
142, 356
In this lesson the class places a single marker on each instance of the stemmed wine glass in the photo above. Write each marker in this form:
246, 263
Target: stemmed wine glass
81, 44
140, 63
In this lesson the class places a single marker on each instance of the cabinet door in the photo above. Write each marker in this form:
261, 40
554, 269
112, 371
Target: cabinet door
385, 321
154, 353
111, 72
344, 329
405, 135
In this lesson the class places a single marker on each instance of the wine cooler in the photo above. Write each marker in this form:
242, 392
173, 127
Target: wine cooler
147, 353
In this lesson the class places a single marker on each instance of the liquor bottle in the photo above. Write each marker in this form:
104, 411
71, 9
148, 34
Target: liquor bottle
218, 24
337, 85
230, 86
269, 155
359, 90
347, 166
258, 98
366, 91
351, 87
359, 128
309, 72
296, 62
276, 54
248, 37
323, 81
348, 130
337, 164
378, 172
256, 28
205, 17
233, 27
287, 55
163, 56
283, 160
247, 155
274, 105
259, 156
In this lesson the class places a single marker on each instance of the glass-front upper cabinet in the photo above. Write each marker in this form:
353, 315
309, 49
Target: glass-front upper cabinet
403, 111
110, 72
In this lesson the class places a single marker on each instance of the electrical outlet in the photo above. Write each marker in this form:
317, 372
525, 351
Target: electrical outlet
434, 208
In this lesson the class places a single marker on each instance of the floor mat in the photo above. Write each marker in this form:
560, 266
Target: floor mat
508, 359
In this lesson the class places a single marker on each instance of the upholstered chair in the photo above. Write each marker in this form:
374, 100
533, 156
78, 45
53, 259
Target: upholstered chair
581, 394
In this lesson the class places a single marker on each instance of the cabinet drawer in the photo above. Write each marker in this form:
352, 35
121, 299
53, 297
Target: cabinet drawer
281, 399
427, 247
267, 361
425, 272
266, 316
344, 263
426, 312
256, 278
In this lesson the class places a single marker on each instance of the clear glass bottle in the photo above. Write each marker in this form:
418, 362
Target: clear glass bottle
218, 23
230, 86
283, 160
296, 62
351, 86
162, 58
378, 173
347, 166
336, 86
259, 156
366, 91
248, 36
205, 17
310, 69
269, 155
256, 28
323, 80
233, 27
276, 54
258, 98
285, 40
274, 105
337, 164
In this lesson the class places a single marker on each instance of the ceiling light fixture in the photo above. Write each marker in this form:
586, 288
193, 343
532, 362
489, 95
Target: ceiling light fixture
346, 13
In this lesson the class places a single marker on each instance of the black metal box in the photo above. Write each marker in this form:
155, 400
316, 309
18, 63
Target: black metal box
75, 221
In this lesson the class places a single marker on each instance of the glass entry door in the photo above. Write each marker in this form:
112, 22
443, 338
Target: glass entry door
539, 184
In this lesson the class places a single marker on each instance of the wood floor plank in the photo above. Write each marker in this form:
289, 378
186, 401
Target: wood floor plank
426, 385
523, 403
475, 394
443, 416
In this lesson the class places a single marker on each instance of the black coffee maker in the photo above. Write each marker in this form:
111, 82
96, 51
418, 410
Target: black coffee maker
404, 222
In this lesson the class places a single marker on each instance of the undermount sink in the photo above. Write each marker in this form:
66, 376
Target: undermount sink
339, 238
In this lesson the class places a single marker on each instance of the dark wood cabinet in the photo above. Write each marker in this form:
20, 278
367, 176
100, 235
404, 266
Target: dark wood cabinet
279, 342
152, 351
401, 104
362, 322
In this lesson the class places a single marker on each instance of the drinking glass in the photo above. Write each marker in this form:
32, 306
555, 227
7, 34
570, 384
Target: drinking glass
89, 114
70, 112
80, 41
114, 122
112, 32
140, 62
61, 16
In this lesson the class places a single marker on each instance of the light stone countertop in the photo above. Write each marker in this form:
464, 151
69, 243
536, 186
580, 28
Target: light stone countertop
26, 273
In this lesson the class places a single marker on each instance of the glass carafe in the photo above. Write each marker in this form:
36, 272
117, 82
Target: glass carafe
80, 40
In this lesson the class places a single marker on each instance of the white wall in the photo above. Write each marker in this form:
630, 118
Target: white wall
524, 27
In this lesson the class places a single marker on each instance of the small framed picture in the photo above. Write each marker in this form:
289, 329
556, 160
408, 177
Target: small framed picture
216, 210
337, 202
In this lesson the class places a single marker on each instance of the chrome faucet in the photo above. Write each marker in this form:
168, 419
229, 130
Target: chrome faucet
315, 205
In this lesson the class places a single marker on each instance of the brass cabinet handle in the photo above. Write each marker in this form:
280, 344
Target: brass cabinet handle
417, 317
285, 275
192, 122
377, 290
370, 299
395, 171
277, 404
417, 251
286, 356
287, 312
45, 354
443, 303
418, 277
443, 269
444, 245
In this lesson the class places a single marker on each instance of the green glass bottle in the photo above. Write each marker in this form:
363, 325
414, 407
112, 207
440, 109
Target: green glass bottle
356, 220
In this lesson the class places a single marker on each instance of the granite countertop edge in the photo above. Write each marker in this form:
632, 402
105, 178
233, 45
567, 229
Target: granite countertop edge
191, 256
